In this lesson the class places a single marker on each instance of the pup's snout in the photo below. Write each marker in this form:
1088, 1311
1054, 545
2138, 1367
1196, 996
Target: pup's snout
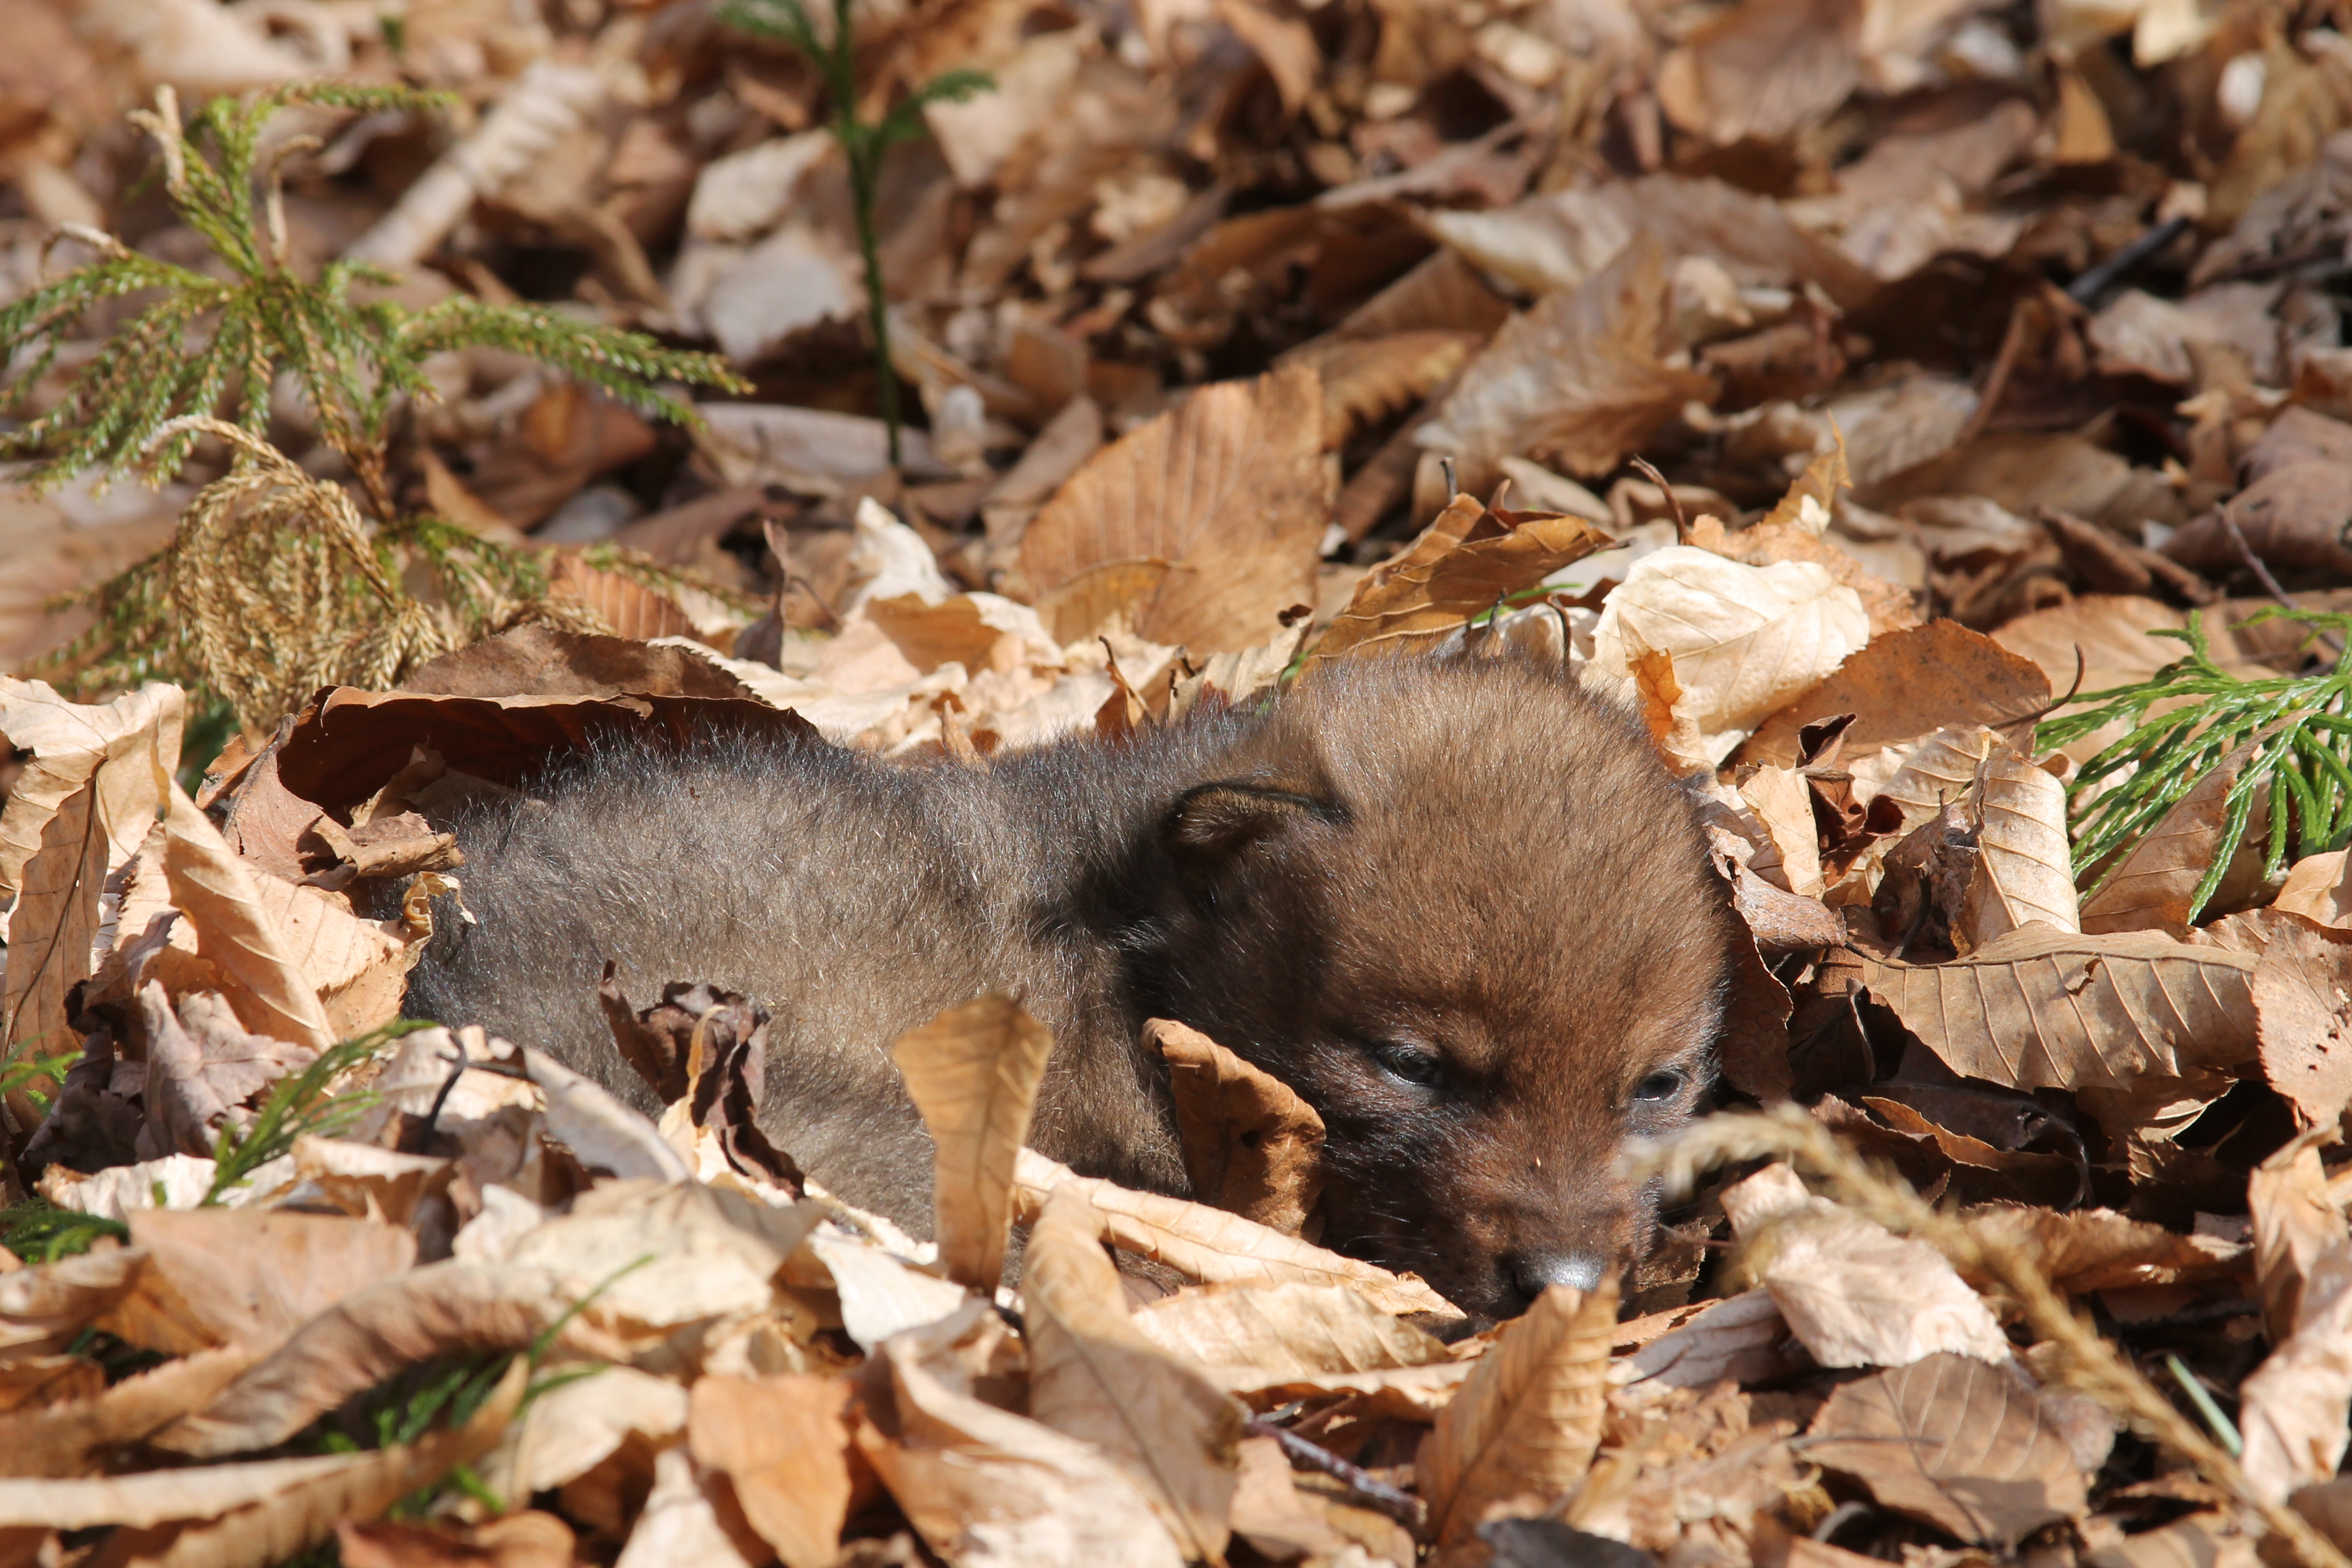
1531, 1272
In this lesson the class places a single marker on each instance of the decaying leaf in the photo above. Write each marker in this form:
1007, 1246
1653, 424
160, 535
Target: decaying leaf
1955, 1441
1251, 1144
1524, 1425
973, 1072
128, 747
2302, 1016
1172, 1431
782, 1443
1229, 489
1213, 1246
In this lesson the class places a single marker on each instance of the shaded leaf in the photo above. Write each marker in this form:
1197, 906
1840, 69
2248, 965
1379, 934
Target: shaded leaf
1251, 1144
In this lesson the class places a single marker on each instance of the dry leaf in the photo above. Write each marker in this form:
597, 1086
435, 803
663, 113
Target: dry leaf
2303, 1016
605, 1134
1958, 1443
1746, 640
1253, 1336
2041, 1008
1251, 1144
235, 932
526, 1540
51, 928
1854, 1294
783, 1443
1910, 683
248, 1277
689, 1517
1464, 565
992, 1489
1213, 1246
1578, 380
2293, 1409
130, 746
1171, 1430
72, 1438
973, 1072
1229, 489
1524, 1427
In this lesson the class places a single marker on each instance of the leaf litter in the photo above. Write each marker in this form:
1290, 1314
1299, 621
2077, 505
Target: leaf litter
1858, 396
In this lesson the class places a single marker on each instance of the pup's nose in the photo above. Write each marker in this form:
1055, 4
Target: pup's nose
1532, 1271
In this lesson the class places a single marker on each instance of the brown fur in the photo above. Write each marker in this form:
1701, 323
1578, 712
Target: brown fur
1468, 872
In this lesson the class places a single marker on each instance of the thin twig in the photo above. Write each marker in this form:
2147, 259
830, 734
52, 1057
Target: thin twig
2260, 569
1369, 1489
1649, 470
2087, 289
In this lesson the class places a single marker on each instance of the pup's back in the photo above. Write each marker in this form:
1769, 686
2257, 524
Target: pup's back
1457, 904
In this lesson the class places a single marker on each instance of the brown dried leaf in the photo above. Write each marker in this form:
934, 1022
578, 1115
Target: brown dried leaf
1578, 379
1253, 1336
526, 1540
987, 1488
1853, 1293
605, 1134
2099, 1249
784, 1443
1958, 1443
42, 1309
2296, 1224
75, 1438
2290, 517
2292, 1408
1524, 1427
1910, 683
52, 926
2319, 889
1230, 490
1213, 1246
2042, 1008
973, 1073
1464, 565
236, 933
1365, 380
130, 746
535, 659
248, 1278
1168, 1428
2303, 1016
198, 1072
1251, 1144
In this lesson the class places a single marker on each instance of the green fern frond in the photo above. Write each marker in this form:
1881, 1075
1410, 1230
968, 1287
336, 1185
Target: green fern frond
625, 365
2289, 740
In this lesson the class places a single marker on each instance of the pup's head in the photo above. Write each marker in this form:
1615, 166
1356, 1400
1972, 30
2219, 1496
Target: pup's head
1461, 909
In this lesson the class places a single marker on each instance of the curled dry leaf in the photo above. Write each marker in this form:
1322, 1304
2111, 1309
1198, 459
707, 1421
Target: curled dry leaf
1251, 1144
1464, 563
1213, 1246
73, 1438
1745, 639
985, 1487
2294, 1408
1955, 1441
2303, 1016
2017, 814
1579, 379
689, 1516
2297, 1223
973, 1073
782, 1443
1167, 1428
1739, 1338
1255, 1335
2099, 1249
2041, 1008
235, 932
1854, 1294
1230, 490
128, 748
249, 1276
51, 929
374, 1333
43, 1308
605, 1134
1524, 1425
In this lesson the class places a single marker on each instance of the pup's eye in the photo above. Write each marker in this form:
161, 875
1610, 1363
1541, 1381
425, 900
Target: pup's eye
1663, 1084
1411, 1063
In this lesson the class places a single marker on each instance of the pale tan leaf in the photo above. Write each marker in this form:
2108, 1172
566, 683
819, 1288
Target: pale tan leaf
260, 1513
372, 1334
358, 967
2319, 889
1746, 640
2099, 1249
1251, 1144
576, 1426
1958, 1443
130, 746
689, 1518
235, 933
529, 1538
1168, 1428
1464, 565
2297, 1223
881, 1296
1213, 1246
2025, 869
988, 1488
2200, 1541
2293, 1409
73, 1438
51, 928
1739, 1338
973, 1072
2302, 1016
1904, 685
249, 1276
2039, 1009
605, 1134
1524, 1427
783, 1443
1784, 805
44, 1307
1251, 1335
1230, 490
1853, 1293
1578, 379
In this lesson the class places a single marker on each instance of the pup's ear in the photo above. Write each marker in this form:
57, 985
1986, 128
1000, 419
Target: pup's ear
1211, 821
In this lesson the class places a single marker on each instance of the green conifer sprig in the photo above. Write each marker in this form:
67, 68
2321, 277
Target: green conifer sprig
2289, 740
207, 344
